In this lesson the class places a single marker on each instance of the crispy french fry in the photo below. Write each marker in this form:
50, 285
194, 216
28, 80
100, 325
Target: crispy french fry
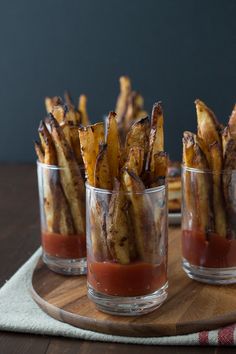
208, 126
137, 136
117, 226
203, 146
199, 207
232, 123
90, 138
156, 136
158, 177
228, 185
51, 102
71, 178
39, 151
59, 113
82, 108
113, 145
226, 137
50, 155
122, 101
102, 176
146, 227
218, 200
135, 161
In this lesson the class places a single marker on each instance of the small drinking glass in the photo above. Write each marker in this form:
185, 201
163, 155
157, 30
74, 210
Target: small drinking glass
127, 249
209, 225
63, 235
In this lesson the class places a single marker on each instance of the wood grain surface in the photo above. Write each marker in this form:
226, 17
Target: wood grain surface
19, 237
190, 307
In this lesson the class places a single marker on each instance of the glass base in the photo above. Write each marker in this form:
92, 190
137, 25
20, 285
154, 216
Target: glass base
210, 275
65, 266
128, 306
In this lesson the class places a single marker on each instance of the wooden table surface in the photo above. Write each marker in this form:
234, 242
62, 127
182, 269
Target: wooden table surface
19, 237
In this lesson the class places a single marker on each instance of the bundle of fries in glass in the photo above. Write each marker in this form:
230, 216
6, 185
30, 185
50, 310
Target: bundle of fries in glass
124, 226
211, 201
64, 192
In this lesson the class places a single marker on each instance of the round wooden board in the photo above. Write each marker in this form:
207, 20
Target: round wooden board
190, 306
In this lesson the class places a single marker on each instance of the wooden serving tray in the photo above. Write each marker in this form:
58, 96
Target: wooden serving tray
190, 306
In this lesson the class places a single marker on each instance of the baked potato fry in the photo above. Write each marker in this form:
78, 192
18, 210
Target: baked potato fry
137, 136
113, 145
51, 102
229, 177
71, 178
59, 113
218, 200
226, 137
156, 136
232, 123
90, 138
82, 108
122, 101
102, 176
159, 174
117, 226
39, 151
208, 126
135, 161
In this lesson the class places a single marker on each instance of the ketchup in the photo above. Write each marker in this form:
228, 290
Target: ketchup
211, 251
64, 246
134, 279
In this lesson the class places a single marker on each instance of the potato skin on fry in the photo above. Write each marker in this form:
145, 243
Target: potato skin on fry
156, 137
82, 108
117, 226
102, 176
90, 138
135, 161
113, 145
39, 151
137, 136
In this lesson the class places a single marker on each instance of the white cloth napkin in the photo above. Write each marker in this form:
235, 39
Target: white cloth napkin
19, 313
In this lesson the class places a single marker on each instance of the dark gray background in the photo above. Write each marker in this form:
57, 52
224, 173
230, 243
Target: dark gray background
173, 51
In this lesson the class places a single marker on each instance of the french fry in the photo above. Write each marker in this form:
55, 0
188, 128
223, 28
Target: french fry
232, 123
82, 108
137, 136
156, 137
118, 230
68, 100
50, 155
102, 176
59, 113
113, 145
228, 185
122, 101
51, 102
208, 126
218, 200
135, 161
90, 138
226, 137
71, 178
146, 230
159, 174
39, 151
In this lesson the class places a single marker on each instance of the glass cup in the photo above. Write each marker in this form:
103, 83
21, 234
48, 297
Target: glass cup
63, 236
127, 249
209, 225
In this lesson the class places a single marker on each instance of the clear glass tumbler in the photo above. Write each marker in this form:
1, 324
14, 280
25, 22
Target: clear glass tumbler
127, 249
63, 234
209, 225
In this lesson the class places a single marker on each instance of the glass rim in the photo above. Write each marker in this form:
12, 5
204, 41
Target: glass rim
55, 167
110, 192
198, 170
